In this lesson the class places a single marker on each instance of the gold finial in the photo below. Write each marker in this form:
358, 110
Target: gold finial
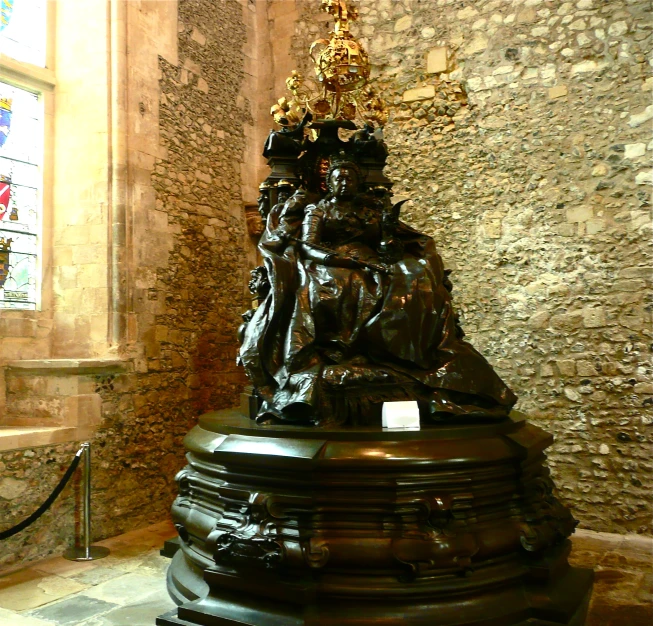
342, 69
342, 12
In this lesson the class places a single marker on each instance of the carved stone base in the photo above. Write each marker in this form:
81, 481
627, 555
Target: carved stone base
285, 526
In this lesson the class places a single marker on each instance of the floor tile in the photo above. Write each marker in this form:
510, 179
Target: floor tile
126, 589
143, 613
30, 588
64, 567
73, 611
98, 575
154, 565
11, 618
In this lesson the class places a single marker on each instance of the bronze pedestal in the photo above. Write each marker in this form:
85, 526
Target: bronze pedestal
448, 525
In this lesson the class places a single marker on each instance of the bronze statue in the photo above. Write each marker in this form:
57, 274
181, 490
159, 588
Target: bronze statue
263, 200
359, 313
314, 514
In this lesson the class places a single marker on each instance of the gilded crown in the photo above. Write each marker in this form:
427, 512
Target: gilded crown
341, 90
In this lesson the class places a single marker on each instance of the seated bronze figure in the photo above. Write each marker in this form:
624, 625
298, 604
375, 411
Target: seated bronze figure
316, 515
357, 311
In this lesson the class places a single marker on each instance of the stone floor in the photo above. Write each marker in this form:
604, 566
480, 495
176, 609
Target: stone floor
127, 588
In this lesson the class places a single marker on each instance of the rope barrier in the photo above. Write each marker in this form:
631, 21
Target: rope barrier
5, 534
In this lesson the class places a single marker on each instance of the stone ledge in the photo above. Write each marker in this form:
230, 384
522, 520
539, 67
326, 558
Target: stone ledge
69, 366
17, 438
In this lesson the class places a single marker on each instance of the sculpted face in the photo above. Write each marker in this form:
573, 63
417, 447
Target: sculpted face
343, 182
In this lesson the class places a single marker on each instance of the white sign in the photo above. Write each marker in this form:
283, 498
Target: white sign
400, 415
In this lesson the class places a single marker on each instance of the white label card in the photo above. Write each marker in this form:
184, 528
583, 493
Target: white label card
400, 415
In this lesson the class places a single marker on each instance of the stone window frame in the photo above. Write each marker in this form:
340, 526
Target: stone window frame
69, 382
41, 81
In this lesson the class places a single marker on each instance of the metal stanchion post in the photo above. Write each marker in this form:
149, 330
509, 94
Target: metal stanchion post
86, 552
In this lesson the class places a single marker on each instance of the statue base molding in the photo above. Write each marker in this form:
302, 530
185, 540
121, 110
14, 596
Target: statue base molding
294, 526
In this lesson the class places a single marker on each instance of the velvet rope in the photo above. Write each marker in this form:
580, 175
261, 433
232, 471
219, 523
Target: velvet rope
5, 534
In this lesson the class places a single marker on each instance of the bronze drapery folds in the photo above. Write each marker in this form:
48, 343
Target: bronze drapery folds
356, 307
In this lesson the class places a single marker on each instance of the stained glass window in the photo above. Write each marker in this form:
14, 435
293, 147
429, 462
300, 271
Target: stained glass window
23, 30
21, 152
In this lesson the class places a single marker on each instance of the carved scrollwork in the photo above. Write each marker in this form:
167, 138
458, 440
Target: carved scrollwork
248, 549
183, 482
183, 534
447, 511
434, 551
547, 521
316, 553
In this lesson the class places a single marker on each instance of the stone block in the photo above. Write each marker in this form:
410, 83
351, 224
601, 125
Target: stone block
586, 368
66, 276
21, 384
637, 119
192, 66
72, 235
17, 348
197, 36
600, 169
478, 44
98, 327
629, 285
645, 272
634, 150
11, 489
88, 254
202, 85
83, 410
594, 226
526, 15
17, 327
578, 25
419, 93
467, 13
403, 23
437, 60
617, 29
558, 91
572, 394
567, 367
60, 385
91, 275
492, 228
566, 230
580, 214
593, 317
539, 320
567, 321
587, 66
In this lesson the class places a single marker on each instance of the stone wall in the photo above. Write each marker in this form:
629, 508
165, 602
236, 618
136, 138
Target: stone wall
521, 130
198, 295
183, 131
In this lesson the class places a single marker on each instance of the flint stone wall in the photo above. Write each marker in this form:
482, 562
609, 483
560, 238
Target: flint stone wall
521, 129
